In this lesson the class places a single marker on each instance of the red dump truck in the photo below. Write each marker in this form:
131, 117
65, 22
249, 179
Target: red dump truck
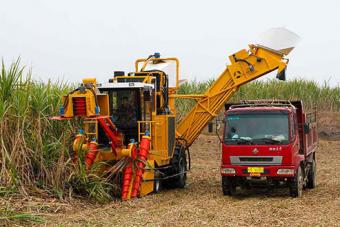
268, 143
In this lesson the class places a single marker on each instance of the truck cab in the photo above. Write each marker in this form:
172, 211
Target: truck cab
268, 143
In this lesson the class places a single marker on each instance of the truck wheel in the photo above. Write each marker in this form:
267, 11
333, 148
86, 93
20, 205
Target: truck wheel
228, 186
311, 177
296, 184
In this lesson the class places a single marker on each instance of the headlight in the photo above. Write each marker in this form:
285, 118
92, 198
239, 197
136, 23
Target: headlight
228, 170
285, 171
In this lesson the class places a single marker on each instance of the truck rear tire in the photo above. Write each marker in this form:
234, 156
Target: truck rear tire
228, 186
311, 177
296, 184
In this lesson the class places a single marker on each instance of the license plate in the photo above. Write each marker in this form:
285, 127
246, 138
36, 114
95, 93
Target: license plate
255, 170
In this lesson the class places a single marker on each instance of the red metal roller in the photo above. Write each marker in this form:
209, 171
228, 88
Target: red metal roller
128, 173
127, 178
142, 155
91, 155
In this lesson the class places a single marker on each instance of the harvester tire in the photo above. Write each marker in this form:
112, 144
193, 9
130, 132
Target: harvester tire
228, 186
156, 183
311, 177
182, 163
296, 183
178, 168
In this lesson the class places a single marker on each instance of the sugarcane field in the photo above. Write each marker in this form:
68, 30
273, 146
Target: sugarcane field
169, 113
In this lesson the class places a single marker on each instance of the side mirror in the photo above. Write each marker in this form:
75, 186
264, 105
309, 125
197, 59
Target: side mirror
306, 128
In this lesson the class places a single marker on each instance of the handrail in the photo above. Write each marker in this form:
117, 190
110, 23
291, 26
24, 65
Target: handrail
140, 134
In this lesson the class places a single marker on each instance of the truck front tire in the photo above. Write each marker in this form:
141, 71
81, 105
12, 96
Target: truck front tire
296, 184
228, 186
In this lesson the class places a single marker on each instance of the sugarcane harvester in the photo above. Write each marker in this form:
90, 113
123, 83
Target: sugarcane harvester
133, 117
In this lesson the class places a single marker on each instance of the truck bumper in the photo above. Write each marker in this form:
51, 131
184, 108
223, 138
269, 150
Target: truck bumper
267, 171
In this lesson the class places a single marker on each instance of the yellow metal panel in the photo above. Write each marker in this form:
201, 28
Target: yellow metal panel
173, 136
103, 102
148, 177
89, 99
105, 155
90, 81
160, 145
69, 107
90, 104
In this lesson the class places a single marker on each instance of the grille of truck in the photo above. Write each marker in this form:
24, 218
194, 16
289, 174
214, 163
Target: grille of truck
258, 160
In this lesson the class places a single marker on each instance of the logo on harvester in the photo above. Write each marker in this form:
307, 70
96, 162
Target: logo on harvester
255, 151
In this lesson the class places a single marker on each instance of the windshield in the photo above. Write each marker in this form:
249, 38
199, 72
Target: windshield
257, 128
124, 108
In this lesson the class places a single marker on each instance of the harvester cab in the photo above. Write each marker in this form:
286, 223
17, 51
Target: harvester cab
140, 99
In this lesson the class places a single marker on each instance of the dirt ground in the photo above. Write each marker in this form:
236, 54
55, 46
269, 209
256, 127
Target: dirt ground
202, 202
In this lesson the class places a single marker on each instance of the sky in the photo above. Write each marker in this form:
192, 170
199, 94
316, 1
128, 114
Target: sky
72, 39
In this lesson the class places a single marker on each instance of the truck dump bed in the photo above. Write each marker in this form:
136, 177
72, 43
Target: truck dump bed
307, 128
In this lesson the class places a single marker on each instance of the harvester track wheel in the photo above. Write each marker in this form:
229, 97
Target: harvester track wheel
296, 183
228, 186
311, 177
